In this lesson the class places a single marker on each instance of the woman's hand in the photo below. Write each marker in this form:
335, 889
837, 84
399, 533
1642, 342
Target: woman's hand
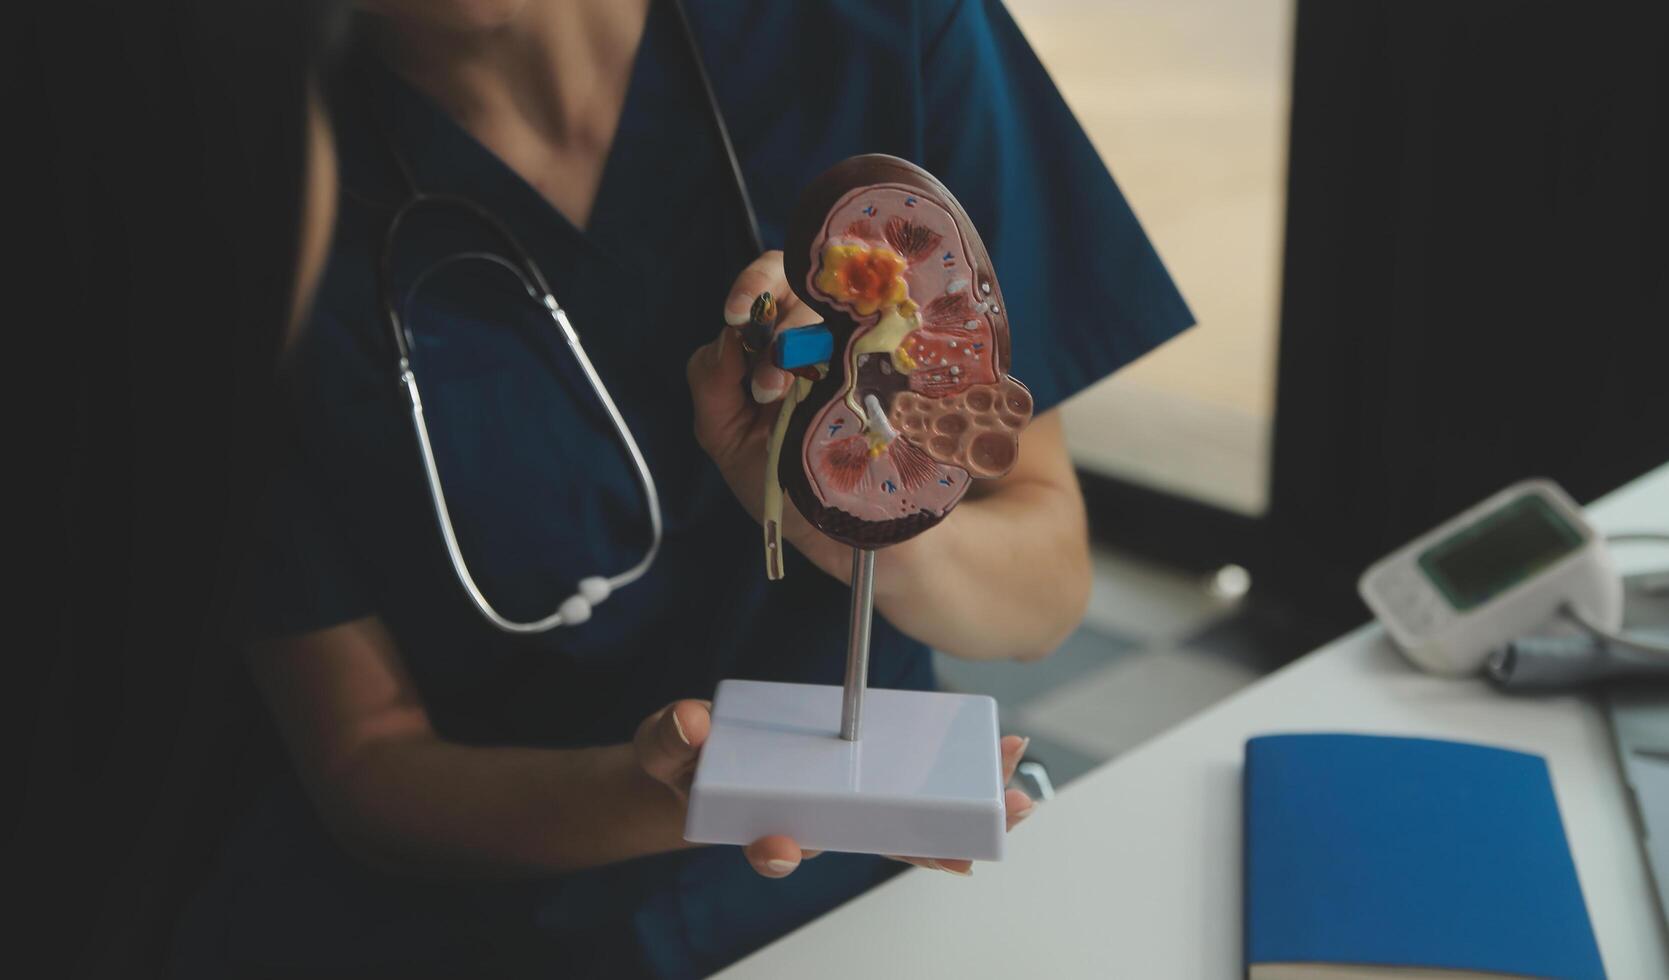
668, 744
1018, 804
732, 426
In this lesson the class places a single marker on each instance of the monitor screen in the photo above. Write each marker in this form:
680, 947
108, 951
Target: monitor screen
1500, 551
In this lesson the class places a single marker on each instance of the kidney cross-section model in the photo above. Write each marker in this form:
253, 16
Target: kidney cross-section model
915, 400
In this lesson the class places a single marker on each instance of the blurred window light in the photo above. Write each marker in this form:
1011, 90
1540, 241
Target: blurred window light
1187, 101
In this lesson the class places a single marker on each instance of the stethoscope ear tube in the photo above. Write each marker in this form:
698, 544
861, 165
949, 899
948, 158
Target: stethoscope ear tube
593, 589
522, 264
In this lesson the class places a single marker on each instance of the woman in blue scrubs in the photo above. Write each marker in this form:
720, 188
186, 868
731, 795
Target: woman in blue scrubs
468, 802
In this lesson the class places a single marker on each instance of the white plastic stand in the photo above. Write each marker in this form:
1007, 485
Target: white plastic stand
909, 773
925, 780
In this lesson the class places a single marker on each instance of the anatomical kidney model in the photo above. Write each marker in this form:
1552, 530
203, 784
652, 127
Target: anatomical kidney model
902, 396
915, 400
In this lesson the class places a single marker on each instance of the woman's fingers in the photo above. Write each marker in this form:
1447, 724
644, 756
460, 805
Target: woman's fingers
775, 856
1013, 750
763, 275
1019, 806
1016, 802
770, 382
668, 742
955, 866
724, 416
766, 275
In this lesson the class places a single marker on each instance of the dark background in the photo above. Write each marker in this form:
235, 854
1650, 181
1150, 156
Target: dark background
156, 165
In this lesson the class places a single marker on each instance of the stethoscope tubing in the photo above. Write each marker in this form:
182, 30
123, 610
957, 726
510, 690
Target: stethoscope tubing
592, 590
443, 518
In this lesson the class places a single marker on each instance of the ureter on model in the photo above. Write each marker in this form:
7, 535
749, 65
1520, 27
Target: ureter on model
773, 486
851, 393
886, 337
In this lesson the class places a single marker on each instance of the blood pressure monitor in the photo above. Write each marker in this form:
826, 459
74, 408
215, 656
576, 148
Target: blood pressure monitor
1500, 570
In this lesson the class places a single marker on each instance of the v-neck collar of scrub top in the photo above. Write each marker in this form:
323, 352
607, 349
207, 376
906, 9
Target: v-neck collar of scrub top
445, 158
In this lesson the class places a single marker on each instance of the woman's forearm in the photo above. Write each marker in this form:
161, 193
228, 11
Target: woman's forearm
1006, 576
1011, 583
424, 805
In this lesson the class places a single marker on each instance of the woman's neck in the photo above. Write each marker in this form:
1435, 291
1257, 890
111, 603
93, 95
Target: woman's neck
543, 88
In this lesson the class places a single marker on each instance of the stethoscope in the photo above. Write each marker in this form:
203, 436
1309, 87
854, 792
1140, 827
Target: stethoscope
592, 590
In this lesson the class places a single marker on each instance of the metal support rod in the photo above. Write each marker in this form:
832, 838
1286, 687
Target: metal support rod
857, 642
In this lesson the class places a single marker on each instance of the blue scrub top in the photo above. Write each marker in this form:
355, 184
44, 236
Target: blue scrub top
540, 493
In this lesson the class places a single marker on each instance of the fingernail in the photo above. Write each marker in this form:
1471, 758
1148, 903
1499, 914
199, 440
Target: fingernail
736, 319
936, 866
1023, 743
781, 867
764, 394
1023, 814
678, 726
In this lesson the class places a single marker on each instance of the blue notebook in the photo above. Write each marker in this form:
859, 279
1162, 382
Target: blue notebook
1375, 857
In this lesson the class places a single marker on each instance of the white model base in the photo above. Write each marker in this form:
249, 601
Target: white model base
923, 780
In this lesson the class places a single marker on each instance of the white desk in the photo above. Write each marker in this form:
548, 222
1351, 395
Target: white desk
1134, 870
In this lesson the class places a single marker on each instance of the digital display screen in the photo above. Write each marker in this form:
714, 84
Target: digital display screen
1500, 551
